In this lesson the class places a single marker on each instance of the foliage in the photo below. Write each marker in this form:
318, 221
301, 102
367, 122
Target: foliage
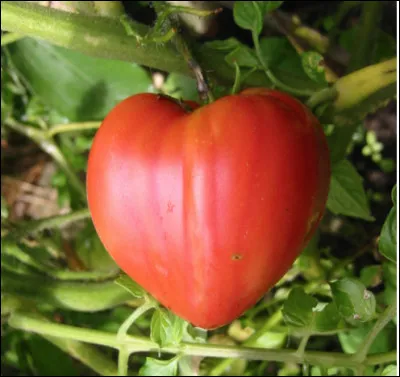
63, 297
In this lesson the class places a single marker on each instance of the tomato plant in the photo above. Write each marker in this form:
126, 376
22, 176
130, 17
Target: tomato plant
208, 209
199, 190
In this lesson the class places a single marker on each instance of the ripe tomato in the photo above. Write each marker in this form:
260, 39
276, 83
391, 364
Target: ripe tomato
208, 210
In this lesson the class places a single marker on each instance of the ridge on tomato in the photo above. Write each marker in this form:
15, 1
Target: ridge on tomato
207, 210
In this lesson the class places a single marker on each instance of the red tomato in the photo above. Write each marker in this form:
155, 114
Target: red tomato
208, 210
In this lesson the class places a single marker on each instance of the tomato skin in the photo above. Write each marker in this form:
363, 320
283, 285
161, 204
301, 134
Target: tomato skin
208, 210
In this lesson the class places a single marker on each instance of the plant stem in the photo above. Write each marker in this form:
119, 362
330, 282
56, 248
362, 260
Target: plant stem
10, 38
382, 321
54, 221
279, 84
51, 148
71, 127
124, 351
28, 322
322, 96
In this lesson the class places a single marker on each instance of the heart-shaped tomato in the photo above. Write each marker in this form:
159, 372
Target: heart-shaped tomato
207, 210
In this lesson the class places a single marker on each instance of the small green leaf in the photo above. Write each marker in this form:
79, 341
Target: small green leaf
354, 302
268, 6
390, 370
247, 15
312, 66
181, 87
271, 340
224, 45
127, 283
155, 367
394, 195
243, 56
167, 328
388, 237
160, 327
298, 309
390, 281
371, 275
347, 195
328, 319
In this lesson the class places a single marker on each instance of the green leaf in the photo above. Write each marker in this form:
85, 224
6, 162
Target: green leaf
275, 49
243, 56
271, 340
132, 287
388, 237
160, 327
42, 351
390, 370
268, 6
354, 302
312, 66
298, 309
347, 195
181, 87
371, 275
4, 208
167, 328
328, 319
77, 86
247, 15
351, 340
224, 45
155, 367
390, 281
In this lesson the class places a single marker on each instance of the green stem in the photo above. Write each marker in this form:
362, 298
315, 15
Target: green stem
272, 321
279, 84
125, 351
107, 38
303, 344
28, 322
50, 147
10, 38
322, 96
382, 321
54, 221
71, 127
236, 84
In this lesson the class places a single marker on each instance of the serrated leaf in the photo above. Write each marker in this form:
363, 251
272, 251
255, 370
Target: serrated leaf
388, 237
247, 15
243, 56
132, 287
155, 367
347, 195
167, 328
311, 62
160, 327
353, 301
298, 309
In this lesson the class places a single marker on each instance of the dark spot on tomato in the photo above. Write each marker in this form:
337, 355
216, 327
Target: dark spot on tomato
237, 256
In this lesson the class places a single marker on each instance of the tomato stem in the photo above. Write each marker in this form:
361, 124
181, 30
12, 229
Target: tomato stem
28, 322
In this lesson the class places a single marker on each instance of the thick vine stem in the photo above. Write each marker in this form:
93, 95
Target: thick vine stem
28, 322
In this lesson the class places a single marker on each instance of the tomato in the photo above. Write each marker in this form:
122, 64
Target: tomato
207, 210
